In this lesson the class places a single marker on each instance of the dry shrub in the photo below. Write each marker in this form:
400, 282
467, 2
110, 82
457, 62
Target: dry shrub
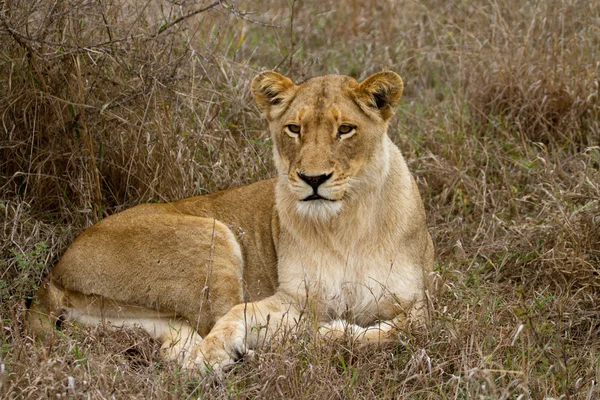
106, 104
103, 109
536, 71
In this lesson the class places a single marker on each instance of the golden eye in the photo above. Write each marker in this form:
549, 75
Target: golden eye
294, 129
346, 129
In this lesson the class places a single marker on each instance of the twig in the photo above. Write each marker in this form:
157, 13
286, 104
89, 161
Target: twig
242, 15
108, 31
16, 35
93, 168
21, 37
291, 40
186, 16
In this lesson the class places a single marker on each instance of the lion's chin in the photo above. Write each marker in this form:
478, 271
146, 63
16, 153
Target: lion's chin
319, 210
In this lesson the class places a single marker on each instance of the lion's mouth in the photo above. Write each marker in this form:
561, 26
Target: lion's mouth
316, 196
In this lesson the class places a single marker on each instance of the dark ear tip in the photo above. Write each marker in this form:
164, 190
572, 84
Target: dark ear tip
393, 77
384, 79
270, 77
387, 74
266, 74
259, 77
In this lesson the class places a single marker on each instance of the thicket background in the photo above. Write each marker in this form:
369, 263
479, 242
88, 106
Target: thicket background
105, 104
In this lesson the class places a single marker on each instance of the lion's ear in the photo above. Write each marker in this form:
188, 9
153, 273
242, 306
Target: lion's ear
271, 89
381, 92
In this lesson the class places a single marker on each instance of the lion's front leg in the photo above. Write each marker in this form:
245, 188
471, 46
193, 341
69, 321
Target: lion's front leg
242, 329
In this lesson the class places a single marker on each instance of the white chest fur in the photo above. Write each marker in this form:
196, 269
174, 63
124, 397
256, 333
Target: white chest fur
355, 275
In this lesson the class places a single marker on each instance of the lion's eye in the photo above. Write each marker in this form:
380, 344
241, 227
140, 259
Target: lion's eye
346, 129
292, 129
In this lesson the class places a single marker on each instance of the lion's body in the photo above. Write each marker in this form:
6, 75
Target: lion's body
193, 259
342, 229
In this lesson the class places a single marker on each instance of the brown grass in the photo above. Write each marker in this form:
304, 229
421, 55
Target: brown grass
107, 103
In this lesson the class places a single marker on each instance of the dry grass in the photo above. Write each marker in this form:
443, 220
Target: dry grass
107, 103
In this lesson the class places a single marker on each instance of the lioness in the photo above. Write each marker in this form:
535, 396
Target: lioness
340, 233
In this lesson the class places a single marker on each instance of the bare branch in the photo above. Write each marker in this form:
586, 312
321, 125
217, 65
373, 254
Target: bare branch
292, 40
242, 15
184, 17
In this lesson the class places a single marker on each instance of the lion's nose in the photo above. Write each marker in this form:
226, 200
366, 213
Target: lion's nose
314, 180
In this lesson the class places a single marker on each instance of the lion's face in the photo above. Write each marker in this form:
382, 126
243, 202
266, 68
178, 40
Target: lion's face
328, 135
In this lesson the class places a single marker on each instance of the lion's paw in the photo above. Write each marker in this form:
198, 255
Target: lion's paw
213, 356
339, 329
180, 348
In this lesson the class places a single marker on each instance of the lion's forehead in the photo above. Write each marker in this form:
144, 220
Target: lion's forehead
319, 117
323, 102
328, 81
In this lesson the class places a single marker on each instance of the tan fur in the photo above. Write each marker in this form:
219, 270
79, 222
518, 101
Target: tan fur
241, 264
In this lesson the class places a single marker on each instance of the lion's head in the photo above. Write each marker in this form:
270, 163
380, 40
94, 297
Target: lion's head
329, 135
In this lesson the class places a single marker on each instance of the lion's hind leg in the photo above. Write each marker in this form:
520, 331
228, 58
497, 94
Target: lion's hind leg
176, 335
53, 305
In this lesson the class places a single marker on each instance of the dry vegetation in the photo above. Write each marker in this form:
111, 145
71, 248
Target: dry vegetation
108, 103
